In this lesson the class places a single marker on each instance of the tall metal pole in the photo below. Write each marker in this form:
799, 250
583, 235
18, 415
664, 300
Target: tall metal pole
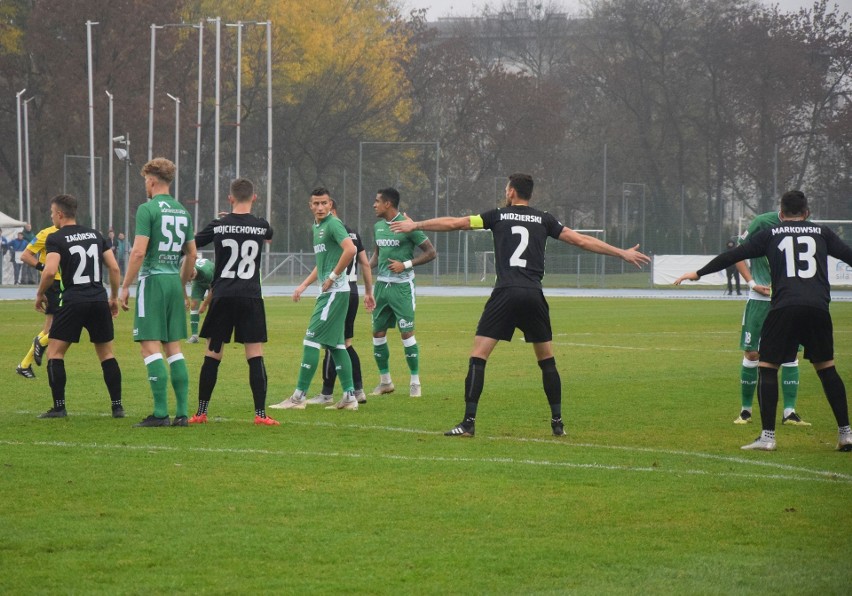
239, 26
111, 134
91, 128
20, 157
603, 217
127, 188
151, 91
198, 122
268, 130
216, 125
437, 191
177, 144
27, 154
358, 197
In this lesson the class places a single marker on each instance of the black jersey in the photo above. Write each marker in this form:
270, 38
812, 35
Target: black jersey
237, 240
520, 236
798, 253
352, 268
81, 255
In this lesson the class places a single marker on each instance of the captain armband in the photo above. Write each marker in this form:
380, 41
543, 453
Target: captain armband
476, 222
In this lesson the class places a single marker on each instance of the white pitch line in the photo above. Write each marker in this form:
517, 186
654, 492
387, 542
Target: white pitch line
424, 458
822, 475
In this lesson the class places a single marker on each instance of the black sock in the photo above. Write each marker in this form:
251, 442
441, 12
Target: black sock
357, 381
552, 386
56, 378
257, 380
473, 384
207, 382
835, 393
767, 396
112, 378
329, 374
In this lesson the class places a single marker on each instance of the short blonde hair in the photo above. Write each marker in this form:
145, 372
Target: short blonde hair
160, 168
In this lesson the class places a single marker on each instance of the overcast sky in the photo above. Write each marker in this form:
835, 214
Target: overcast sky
443, 8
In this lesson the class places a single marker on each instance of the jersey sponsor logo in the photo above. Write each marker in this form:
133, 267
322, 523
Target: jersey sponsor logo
387, 242
318, 248
403, 324
520, 217
80, 236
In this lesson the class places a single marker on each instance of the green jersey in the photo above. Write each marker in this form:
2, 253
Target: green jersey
399, 247
328, 235
167, 225
204, 269
760, 266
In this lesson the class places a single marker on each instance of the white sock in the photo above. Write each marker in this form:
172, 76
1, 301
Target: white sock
385, 379
767, 435
415, 379
788, 411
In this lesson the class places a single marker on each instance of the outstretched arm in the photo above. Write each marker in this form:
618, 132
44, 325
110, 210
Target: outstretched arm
592, 244
437, 224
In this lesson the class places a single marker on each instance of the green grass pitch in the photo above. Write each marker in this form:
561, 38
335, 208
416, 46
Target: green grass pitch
649, 492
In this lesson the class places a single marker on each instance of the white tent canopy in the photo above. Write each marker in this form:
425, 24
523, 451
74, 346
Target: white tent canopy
7, 221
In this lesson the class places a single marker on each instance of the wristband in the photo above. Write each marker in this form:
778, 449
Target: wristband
39, 266
751, 284
333, 276
407, 264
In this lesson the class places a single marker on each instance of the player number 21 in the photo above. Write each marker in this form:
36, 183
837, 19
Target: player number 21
808, 266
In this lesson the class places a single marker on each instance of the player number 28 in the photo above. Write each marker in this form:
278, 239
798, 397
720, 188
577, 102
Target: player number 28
247, 253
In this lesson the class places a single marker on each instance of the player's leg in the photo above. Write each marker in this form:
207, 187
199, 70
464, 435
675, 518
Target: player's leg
258, 383
194, 319
819, 349
329, 376
403, 301
349, 334
250, 330
98, 321
330, 334
752, 322
175, 316
149, 330
383, 319
217, 330
790, 393
531, 314
56, 376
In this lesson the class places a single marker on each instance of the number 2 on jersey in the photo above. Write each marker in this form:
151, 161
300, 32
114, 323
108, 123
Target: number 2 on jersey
515, 260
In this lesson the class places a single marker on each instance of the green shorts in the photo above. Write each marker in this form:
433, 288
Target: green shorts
328, 320
753, 317
395, 305
198, 291
160, 313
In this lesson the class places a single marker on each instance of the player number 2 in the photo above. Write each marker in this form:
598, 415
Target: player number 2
247, 253
80, 276
515, 260
805, 257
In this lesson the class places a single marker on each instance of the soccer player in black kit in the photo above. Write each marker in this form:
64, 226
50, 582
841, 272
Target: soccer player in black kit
237, 304
79, 253
520, 234
798, 252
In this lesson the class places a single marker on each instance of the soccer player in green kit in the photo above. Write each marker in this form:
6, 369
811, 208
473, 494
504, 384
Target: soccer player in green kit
334, 251
163, 235
759, 282
394, 289
202, 277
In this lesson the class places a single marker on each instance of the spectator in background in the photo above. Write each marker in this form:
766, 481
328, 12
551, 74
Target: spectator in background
16, 246
121, 251
731, 272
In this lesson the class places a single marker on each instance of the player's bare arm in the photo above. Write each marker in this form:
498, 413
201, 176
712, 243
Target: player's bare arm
691, 276
437, 224
51, 266
134, 264
427, 253
306, 283
367, 272
28, 258
745, 273
348, 255
592, 244
114, 275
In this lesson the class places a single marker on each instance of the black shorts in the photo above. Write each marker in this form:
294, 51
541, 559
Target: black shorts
53, 295
786, 328
349, 325
510, 308
244, 317
95, 317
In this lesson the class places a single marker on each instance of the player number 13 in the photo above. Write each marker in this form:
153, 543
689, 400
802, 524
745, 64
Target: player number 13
807, 267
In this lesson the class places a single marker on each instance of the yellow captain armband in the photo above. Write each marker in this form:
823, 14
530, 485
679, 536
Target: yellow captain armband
476, 222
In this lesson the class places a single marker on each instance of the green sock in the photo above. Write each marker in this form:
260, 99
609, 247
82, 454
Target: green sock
158, 378
790, 385
748, 380
412, 355
180, 383
343, 366
194, 318
382, 354
310, 360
